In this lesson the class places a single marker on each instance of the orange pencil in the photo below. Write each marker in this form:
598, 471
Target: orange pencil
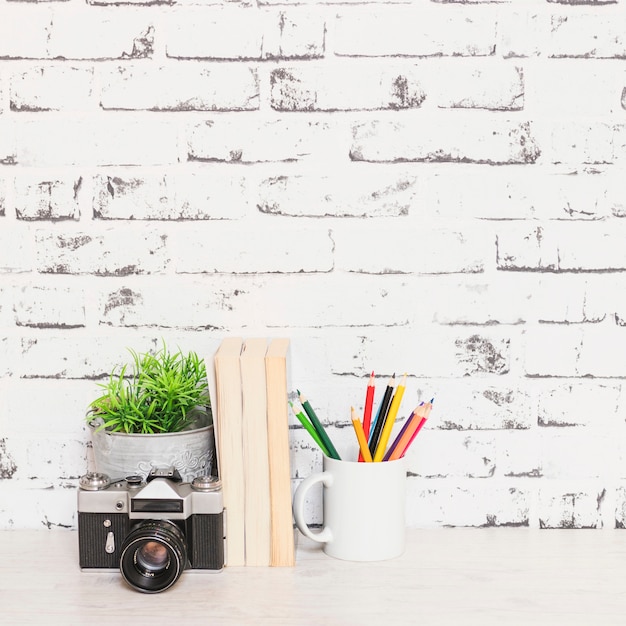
360, 435
420, 415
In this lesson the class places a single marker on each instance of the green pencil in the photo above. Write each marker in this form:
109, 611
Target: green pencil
318, 427
310, 429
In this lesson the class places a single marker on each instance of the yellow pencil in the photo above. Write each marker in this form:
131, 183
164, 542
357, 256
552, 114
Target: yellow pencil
360, 435
389, 421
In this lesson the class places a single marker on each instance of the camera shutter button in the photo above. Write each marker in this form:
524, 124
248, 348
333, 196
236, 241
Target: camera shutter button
206, 483
134, 481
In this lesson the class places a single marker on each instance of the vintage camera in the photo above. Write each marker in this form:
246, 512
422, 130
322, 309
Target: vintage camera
151, 530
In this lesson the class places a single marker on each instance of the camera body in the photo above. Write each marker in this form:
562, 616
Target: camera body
150, 530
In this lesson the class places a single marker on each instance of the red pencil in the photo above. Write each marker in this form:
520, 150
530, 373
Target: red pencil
367, 414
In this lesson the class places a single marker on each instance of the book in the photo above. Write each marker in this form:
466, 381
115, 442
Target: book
228, 438
257, 517
282, 546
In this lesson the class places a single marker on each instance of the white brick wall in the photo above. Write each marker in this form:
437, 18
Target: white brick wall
433, 187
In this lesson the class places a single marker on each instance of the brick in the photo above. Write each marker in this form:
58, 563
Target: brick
467, 503
48, 307
452, 140
173, 305
587, 34
8, 467
580, 403
574, 88
118, 140
52, 88
122, 34
449, 454
114, 252
372, 300
462, 405
565, 299
473, 1
203, 194
566, 247
574, 351
42, 505
495, 87
595, 452
518, 455
24, 31
245, 33
53, 199
17, 252
3, 196
398, 31
354, 192
582, 2
5, 357
343, 88
607, 294
237, 249
523, 33
48, 458
572, 505
6, 318
620, 507
248, 141
181, 87
7, 143
475, 300
51, 33
70, 356
66, 406
405, 250
307, 459
104, 3
581, 141
452, 352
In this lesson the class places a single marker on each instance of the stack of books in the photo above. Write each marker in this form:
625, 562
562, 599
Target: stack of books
251, 422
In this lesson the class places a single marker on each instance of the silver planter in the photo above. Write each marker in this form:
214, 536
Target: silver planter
119, 455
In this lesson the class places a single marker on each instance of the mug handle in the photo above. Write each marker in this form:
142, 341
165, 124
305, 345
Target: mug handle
325, 534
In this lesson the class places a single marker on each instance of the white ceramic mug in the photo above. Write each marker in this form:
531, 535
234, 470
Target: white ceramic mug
364, 509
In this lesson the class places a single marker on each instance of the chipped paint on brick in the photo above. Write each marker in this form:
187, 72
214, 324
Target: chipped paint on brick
481, 355
122, 298
7, 464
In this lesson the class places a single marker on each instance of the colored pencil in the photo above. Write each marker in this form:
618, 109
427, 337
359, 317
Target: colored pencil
404, 428
332, 452
382, 413
389, 421
309, 428
419, 427
367, 412
402, 448
360, 435
416, 423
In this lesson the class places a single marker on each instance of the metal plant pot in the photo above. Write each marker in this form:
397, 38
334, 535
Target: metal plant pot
191, 452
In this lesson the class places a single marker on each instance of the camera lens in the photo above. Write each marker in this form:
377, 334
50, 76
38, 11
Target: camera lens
153, 556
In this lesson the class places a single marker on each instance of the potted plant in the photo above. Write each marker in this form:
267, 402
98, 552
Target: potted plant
156, 413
